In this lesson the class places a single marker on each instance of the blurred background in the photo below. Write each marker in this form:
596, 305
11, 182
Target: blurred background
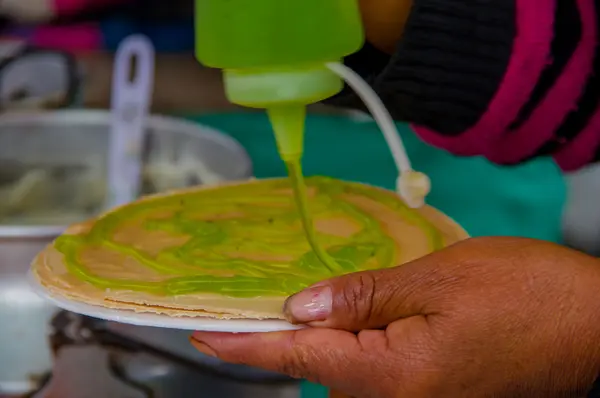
61, 107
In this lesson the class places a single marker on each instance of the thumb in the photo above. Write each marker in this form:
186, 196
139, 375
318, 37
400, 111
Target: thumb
368, 300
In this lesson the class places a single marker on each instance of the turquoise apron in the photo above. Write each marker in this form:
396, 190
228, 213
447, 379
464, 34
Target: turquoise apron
485, 199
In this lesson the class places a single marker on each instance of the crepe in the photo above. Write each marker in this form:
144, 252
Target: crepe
236, 250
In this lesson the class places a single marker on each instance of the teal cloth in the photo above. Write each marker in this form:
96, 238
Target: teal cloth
485, 199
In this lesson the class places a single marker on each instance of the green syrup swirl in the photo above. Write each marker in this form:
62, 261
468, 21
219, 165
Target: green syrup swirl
269, 222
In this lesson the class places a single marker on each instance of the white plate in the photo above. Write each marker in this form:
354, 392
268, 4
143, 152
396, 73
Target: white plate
162, 321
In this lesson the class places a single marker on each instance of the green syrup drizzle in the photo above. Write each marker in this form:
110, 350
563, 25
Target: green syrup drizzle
269, 222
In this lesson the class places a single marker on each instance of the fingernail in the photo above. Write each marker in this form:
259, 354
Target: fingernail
310, 305
202, 347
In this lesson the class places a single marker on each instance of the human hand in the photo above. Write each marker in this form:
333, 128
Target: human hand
487, 317
384, 21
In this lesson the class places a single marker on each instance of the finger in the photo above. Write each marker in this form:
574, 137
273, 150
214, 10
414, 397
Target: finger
334, 358
319, 355
372, 299
384, 21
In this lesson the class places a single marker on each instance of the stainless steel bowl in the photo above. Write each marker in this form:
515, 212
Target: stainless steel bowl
71, 139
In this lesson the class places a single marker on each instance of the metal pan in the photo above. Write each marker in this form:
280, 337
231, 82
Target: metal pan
73, 146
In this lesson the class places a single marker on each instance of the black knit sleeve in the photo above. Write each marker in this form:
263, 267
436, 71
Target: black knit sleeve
447, 67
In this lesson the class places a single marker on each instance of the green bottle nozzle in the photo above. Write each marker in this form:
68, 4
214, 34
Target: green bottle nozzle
274, 55
288, 125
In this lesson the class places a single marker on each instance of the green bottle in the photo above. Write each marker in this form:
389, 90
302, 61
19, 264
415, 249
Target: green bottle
273, 54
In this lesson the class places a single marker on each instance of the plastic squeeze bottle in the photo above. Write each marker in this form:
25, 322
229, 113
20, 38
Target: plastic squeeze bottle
273, 55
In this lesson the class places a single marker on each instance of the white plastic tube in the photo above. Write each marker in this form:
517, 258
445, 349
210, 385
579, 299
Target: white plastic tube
412, 186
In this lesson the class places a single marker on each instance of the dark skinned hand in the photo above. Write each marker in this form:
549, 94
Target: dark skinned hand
488, 317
